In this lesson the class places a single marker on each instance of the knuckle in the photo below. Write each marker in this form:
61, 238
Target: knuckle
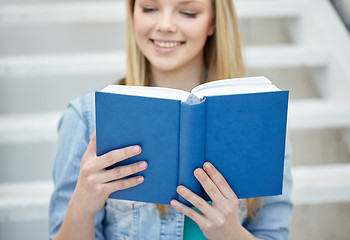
127, 183
108, 158
207, 227
228, 211
221, 181
131, 183
122, 185
201, 205
91, 180
127, 152
211, 190
117, 173
99, 190
122, 153
131, 151
189, 213
85, 170
220, 221
135, 167
186, 195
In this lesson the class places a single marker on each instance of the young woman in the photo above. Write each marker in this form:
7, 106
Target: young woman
177, 44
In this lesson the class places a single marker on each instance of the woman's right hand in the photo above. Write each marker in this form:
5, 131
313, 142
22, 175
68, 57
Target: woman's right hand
95, 183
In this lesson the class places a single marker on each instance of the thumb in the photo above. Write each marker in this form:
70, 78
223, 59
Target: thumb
91, 148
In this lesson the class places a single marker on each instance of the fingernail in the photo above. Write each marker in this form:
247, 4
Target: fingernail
207, 166
142, 164
139, 179
180, 189
136, 149
198, 172
173, 203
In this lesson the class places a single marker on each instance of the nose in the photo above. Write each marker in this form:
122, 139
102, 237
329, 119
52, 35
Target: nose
166, 23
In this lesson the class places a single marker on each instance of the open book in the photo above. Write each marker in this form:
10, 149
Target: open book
239, 125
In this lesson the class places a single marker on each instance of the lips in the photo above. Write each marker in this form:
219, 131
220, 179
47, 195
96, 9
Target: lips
167, 44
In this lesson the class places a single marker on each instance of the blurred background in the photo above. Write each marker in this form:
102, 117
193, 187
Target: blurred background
51, 51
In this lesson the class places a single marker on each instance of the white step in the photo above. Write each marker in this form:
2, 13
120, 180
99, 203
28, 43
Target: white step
25, 201
63, 65
318, 114
286, 56
303, 114
113, 63
29, 128
312, 184
321, 184
115, 11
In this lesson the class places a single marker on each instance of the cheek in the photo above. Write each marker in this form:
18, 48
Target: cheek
196, 32
141, 27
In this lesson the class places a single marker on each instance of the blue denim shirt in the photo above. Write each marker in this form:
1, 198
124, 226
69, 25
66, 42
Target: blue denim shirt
137, 220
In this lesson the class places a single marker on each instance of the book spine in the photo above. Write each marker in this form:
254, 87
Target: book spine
191, 146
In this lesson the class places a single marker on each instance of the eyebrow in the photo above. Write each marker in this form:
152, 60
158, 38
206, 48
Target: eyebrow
190, 1
184, 1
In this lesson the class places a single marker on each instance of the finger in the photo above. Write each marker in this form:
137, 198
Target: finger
191, 213
91, 148
196, 201
219, 181
209, 186
122, 171
118, 155
123, 184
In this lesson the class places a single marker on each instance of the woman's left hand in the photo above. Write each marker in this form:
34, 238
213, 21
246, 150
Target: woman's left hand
219, 220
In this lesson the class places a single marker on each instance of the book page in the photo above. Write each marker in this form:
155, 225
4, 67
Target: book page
234, 86
145, 91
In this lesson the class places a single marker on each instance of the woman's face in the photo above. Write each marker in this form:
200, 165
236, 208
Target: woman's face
172, 33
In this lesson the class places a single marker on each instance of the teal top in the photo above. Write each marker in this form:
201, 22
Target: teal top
192, 230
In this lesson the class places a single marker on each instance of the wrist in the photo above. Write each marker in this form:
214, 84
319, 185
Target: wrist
241, 233
78, 223
77, 209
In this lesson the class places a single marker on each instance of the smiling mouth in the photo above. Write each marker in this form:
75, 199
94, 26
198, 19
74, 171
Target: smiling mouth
167, 44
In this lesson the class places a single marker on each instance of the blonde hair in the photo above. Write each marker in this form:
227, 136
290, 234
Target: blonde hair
222, 57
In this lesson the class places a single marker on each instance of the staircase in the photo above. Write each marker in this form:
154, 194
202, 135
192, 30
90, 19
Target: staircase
52, 51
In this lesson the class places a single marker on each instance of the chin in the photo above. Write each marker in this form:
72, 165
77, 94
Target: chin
164, 67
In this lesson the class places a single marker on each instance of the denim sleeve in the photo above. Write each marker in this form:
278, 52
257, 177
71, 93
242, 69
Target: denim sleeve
272, 221
73, 138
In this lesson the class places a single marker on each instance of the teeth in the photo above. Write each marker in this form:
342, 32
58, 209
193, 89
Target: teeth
167, 44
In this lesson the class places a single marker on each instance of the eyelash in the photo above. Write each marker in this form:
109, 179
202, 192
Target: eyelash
148, 9
189, 14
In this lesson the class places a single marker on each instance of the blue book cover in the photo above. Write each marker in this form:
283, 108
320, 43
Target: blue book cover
241, 133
